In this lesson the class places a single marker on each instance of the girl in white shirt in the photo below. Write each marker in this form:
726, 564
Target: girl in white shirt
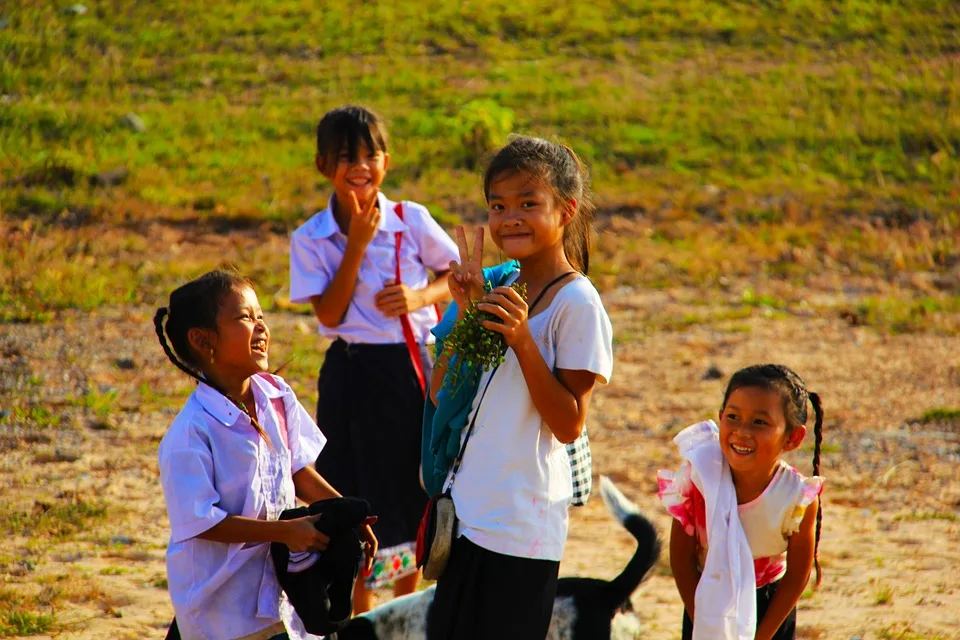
513, 487
229, 465
364, 263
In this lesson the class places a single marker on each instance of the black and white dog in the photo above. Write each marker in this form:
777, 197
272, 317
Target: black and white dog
584, 609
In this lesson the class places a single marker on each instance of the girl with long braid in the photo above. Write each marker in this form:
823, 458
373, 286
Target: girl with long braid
745, 521
238, 453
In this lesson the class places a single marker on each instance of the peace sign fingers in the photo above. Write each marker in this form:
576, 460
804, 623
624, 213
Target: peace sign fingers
468, 274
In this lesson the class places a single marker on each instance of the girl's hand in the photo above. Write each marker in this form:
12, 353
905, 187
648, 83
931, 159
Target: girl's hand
301, 535
395, 300
511, 308
370, 544
363, 224
466, 277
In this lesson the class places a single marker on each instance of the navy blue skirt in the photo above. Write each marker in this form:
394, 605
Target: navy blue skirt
370, 408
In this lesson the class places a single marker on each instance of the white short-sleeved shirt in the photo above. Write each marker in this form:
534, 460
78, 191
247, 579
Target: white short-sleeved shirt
514, 485
316, 251
214, 464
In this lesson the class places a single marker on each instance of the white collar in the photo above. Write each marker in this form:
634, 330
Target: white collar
222, 408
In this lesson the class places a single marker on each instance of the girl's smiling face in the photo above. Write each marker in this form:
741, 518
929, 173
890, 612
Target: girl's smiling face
753, 432
524, 216
239, 346
361, 176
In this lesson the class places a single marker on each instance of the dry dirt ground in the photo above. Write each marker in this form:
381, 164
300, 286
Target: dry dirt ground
891, 536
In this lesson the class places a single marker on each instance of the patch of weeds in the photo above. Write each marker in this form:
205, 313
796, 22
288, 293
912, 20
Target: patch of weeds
940, 414
52, 520
114, 571
35, 416
160, 582
905, 631
927, 515
896, 315
882, 595
101, 404
762, 300
24, 623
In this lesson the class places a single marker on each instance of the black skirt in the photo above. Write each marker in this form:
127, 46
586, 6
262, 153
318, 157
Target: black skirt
787, 630
483, 595
370, 408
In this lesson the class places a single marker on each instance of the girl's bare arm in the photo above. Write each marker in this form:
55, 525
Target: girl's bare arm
799, 563
683, 562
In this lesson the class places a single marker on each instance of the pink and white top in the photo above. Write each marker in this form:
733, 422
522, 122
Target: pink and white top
768, 521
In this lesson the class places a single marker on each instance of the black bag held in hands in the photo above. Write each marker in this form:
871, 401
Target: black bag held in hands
320, 585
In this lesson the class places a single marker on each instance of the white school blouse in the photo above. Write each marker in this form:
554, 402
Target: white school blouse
214, 464
514, 486
316, 251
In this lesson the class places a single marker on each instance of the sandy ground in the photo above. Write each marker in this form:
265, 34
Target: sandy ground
891, 530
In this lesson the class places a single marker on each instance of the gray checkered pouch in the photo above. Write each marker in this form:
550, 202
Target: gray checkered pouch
581, 468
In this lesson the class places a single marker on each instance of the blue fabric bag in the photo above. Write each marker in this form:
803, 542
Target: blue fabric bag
443, 423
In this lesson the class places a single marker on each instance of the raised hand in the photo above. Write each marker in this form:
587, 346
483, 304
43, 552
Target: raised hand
363, 224
510, 307
466, 277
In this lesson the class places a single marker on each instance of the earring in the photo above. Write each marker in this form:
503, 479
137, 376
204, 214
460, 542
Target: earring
211, 356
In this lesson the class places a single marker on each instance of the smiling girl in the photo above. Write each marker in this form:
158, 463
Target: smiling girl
763, 415
513, 486
363, 263
229, 464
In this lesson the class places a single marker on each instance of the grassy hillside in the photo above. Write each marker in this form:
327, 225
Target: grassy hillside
819, 127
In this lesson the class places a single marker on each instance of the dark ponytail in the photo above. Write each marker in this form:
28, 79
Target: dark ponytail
817, 441
559, 168
196, 305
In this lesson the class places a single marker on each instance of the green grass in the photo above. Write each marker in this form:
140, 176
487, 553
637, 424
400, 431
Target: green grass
940, 414
57, 521
755, 139
15, 623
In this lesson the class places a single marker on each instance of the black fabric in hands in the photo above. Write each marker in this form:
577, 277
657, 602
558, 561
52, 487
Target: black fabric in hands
322, 595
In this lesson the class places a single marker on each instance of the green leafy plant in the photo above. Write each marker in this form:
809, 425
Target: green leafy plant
475, 347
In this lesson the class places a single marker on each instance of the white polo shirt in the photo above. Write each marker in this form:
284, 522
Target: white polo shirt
214, 464
514, 487
316, 251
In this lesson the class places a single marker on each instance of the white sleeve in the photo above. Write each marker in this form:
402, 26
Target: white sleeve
303, 435
186, 475
584, 339
309, 275
437, 248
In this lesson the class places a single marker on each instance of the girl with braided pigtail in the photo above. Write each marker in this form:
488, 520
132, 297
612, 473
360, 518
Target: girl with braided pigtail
238, 454
746, 528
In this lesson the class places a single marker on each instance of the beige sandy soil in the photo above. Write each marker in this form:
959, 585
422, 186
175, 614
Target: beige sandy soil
891, 536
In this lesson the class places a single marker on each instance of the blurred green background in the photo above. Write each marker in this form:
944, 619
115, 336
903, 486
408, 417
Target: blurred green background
781, 139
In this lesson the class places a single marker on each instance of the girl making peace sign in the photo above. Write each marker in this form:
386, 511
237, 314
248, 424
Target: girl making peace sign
513, 486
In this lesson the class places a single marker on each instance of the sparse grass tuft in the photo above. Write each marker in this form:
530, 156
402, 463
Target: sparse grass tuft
59, 520
15, 623
940, 414
882, 595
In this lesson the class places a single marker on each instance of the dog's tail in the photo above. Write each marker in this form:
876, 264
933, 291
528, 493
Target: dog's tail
620, 588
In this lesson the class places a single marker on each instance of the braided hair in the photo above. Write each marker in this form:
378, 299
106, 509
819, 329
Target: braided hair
794, 393
196, 305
